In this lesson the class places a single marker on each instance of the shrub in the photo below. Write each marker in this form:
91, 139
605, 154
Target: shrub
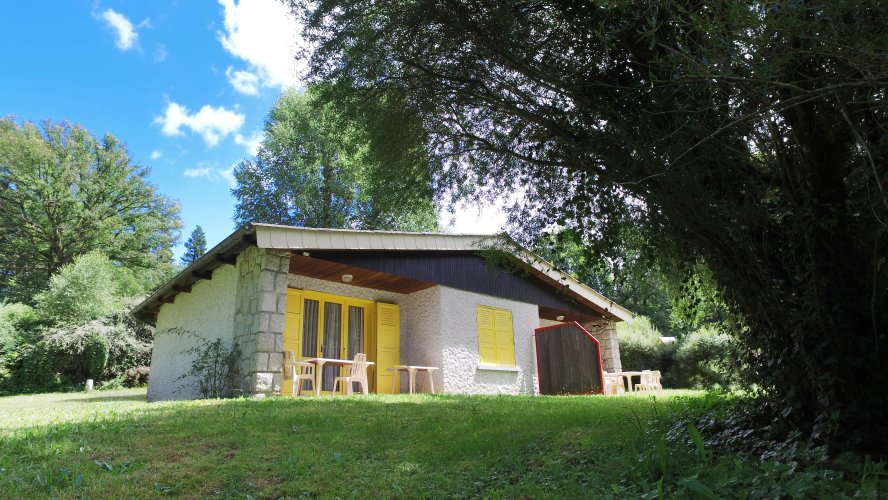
81, 291
95, 353
64, 356
136, 377
705, 359
213, 367
16, 322
640, 346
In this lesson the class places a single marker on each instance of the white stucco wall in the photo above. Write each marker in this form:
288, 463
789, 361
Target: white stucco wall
461, 368
208, 311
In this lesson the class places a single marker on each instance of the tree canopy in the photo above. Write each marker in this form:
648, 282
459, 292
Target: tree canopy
195, 246
747, 136
64, 193
315, 168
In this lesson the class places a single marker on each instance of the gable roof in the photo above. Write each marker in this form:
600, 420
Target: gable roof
277, 237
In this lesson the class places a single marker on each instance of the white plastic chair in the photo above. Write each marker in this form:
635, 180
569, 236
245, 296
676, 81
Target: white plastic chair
650, 381
299, 372
357, 374
613, 384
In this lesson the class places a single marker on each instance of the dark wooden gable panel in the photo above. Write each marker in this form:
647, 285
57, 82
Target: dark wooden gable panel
462, 270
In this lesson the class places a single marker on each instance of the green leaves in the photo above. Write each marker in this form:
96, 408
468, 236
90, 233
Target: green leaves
195, 247
321, 167
64, 193
81, 291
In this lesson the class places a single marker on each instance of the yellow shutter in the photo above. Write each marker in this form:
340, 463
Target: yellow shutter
486, 335
388, 344
505, 341
496, 340
292, 334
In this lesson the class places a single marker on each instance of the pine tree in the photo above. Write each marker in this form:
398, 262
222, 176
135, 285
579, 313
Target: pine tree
195, 247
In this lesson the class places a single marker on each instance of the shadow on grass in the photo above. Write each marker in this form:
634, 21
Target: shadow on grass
109, 398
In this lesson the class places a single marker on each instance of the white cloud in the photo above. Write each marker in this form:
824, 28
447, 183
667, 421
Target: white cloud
156, 154
198, 172
266, 36
212, 123
243, 81
127, 37
228, 175
211, 172
252, 142
160, 53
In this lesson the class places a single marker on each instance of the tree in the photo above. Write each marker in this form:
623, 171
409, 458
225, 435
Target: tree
746, 136
88, 288
64, 193
315, 169
195, 247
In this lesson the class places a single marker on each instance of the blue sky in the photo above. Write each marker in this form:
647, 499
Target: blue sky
185, 84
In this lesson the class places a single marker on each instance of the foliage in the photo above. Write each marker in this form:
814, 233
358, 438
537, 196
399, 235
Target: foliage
83, 290
707, 358
64, 193
95, 353
746, 136
314, 169
64, 356
16, 320
213, 366
137, 376
679, 460
195, 246
632, 280
640, 346
702, 359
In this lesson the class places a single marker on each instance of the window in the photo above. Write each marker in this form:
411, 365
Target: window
496, 342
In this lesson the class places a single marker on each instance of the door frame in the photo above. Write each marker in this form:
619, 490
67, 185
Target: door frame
369, 307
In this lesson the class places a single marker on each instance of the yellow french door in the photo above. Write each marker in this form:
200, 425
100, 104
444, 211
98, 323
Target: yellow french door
330, 326
323, 325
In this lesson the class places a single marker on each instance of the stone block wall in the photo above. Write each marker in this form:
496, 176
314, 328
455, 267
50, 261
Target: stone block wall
605, 331
260, 307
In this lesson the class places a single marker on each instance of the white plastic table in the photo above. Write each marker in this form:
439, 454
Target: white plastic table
411, 371
628, 376
319, 371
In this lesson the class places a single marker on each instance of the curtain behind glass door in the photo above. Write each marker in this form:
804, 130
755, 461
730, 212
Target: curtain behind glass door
332, 346
310, 329
355, 331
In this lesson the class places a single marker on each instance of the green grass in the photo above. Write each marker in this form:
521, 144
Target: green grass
115, 444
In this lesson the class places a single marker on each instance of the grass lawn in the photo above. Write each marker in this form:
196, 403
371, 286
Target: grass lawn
114, 444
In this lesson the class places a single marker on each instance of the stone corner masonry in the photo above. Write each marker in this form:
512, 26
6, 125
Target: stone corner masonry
260, 307
605, 331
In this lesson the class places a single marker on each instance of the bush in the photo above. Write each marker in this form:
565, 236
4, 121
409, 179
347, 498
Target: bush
64, 356
213, 368
16, 321
81, 291
640, 345
136, 377
703, 359
722, 448
96, 356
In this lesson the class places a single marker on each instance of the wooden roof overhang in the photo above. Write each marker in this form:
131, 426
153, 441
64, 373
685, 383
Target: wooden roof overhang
325, 242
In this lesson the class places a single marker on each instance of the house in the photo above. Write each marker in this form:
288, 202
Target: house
457, 302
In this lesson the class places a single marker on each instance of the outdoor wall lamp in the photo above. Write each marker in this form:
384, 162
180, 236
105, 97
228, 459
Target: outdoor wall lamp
347, 278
